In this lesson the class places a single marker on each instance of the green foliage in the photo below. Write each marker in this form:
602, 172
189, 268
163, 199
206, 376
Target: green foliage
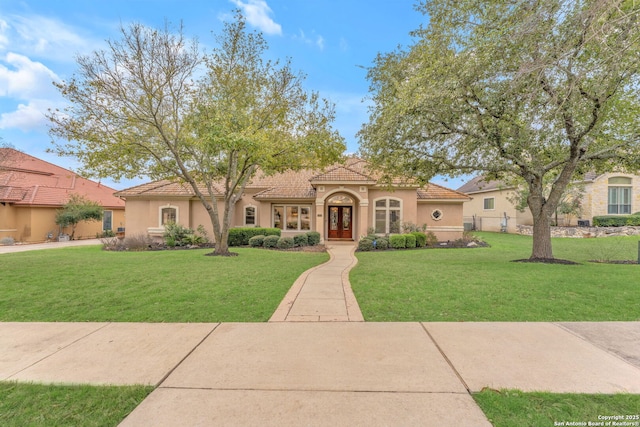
271, 241
382, 243
488, 86
616, 220
239, 236
313, 238
365, 244
431, 239
398, 241
176, 234
421, 239
285, 243
300, 240
78, 209
410, 240
256, 241
153, 104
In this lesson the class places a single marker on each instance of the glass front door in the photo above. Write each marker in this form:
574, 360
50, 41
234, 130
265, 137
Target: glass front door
340, 220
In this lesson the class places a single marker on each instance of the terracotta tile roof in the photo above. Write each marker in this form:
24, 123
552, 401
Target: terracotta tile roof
287, 193
434, 191
297, 184
27, 180
342, 173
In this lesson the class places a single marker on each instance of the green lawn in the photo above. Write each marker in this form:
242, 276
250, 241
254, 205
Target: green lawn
508, 408
482, 284
59, 405
88, 284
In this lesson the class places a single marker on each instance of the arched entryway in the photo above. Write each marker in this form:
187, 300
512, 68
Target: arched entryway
340, 217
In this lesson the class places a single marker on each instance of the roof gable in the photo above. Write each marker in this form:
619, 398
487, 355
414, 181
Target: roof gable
27, 180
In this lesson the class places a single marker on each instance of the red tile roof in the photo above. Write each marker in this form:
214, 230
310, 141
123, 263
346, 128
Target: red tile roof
437, 192
27, 180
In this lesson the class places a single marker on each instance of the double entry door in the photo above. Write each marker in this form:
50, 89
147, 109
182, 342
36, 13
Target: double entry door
340, 222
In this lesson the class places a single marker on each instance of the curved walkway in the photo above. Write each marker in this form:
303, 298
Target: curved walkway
323, 293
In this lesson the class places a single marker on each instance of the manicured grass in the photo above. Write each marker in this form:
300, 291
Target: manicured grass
88, 284
507, 408
49, 405
482, 284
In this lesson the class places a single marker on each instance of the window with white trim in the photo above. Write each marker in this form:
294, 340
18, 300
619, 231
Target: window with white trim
292, 217
388, 214
168, 214
619, 196
250, 215
489, 203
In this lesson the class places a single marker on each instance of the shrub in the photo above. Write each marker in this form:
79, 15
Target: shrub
616, 220
300, 240
421, 239
256, 241
432, 240
175, 234
239, 236
398, 241
284, 243
382, 243
270, 241
192, 239
410, 240
105, 233
137, 242
313, 237
7, 241
365, 245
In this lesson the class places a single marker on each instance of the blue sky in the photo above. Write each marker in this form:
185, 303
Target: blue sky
331, 41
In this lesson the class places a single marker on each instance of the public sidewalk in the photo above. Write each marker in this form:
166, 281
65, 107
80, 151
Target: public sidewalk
316, 363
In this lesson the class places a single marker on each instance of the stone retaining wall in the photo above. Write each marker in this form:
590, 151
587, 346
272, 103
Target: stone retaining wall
580, 232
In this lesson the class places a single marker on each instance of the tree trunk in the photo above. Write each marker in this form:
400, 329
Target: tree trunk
541, 236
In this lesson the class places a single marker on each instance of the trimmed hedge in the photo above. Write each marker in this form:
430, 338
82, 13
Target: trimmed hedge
313, 238
410, 241
421, 239
239, 236
616, 220
300, 240
382, 243
365, 245
398, 241
256, 241
285, 243
270, 241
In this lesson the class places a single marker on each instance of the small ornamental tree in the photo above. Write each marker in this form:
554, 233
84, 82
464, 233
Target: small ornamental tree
76, 210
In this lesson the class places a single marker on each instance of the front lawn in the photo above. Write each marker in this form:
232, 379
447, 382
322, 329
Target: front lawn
507, 408
483, 284
61, 405
82, 284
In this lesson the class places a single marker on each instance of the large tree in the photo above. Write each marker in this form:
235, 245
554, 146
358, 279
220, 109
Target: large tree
152, 104
523, 91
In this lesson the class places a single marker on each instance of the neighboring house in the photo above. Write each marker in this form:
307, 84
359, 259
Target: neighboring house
341, 202
32, 190
490, 207
604, 194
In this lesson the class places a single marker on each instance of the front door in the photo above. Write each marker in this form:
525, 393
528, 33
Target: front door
340, 220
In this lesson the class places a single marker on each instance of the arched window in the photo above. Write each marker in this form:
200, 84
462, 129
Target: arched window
619, 195
388, 214
340, 199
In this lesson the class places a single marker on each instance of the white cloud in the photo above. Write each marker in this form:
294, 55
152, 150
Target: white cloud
22, 78
43, 37
257, 13
27, 117
315, 40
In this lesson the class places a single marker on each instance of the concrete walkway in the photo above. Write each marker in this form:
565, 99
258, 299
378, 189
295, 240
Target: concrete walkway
323, 293
316, 363
48, 245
